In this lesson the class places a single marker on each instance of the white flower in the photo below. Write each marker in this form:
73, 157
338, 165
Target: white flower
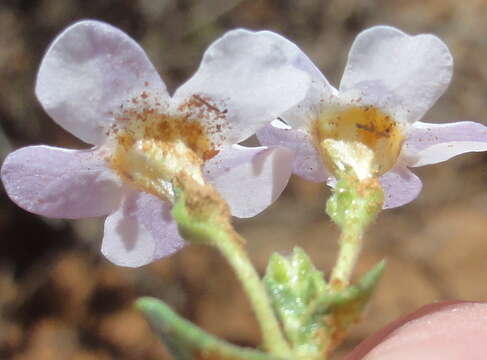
98, 84
390, 81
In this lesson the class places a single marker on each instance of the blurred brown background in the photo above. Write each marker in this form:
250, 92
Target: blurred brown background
59, 299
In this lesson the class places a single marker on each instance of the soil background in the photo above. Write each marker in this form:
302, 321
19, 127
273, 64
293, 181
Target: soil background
60, 299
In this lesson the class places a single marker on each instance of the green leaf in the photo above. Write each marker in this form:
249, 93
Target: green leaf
315, 316
294, 285
186, 341
345, 308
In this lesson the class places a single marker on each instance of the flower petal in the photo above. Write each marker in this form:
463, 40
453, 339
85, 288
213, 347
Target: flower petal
87, 73
397, 72
250, 78
319, 94
60, 183
307, 162
401, 186
141, 231
250, 179
433, 143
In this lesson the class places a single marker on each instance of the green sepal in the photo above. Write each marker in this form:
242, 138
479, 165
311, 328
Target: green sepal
187, 341
294, 284
355, 204
193, 228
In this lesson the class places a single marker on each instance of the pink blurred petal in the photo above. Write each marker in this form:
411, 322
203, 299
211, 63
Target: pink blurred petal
307, 162
401, 186
433, 143
141, 231
409, 72
453, 332
90, 69
60, 183
250, 179
251, 78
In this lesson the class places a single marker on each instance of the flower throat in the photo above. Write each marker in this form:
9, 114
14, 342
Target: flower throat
361, 137
152, 149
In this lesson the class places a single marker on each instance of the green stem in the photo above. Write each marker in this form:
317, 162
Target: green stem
350, 246
271, 331
353, 206
217, 231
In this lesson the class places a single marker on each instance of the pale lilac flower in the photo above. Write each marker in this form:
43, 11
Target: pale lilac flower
394, 79
98, 84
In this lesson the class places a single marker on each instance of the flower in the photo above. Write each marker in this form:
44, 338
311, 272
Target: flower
98, 84
372, 121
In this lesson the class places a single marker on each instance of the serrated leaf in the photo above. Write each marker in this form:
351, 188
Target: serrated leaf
187, 341
294, 284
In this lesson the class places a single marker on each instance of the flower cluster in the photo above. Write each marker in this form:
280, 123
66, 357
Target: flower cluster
98, 84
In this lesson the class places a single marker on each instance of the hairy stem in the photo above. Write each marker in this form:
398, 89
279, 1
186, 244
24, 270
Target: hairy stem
353, 206
207, 222
350, 246
271, 332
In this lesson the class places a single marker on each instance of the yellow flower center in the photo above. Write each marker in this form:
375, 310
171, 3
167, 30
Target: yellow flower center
361, 138
152, 149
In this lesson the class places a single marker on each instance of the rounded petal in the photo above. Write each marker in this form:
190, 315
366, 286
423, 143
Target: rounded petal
433, 143
249, 78
319, 94
141, 231
401, 186
453, 332
307, 162
250, 179
87, 73
400, 73
60, 183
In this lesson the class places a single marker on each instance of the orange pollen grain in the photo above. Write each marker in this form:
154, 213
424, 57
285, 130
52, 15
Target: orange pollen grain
152, 125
